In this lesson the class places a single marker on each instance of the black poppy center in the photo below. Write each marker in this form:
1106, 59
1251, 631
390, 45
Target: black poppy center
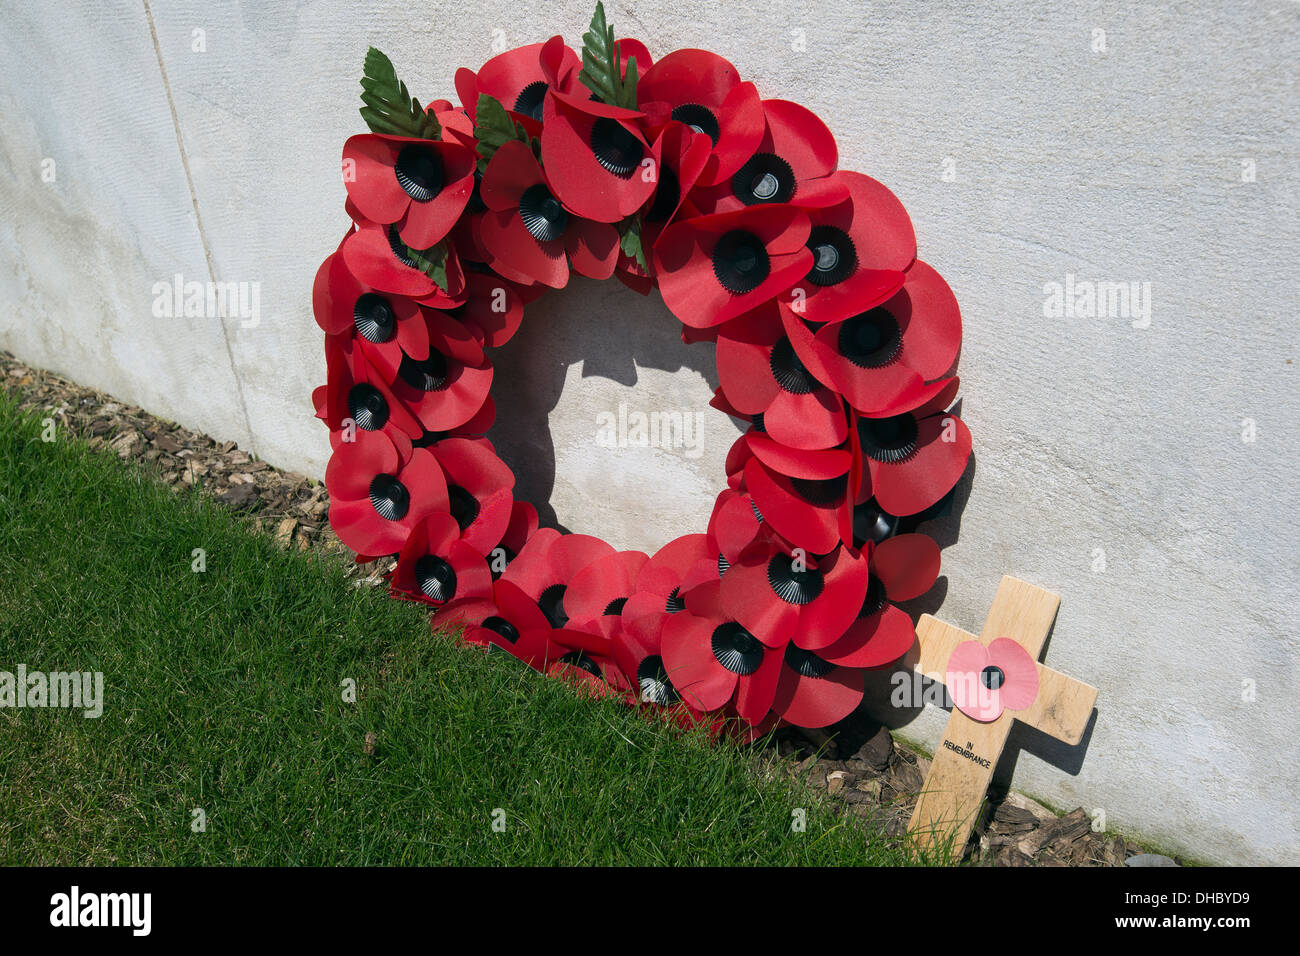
788, 371
821, 491
765, 178
792, 581
499, 625
870, 523
551, 602
667, 194
429, 375
367, 407
699, 118
875, 598
542, 214
616, 147
463, 506
530, 99
436, 578
652, 677
401, 251
419, 173
389, 497
736, 649
834, 257
740, 262
806, 663
374, 318
615, 606
582, 661
888, 440
993, 677
675, 601
759, 424
871, 339
723, 565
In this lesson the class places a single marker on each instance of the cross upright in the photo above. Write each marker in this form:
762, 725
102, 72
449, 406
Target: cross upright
964, 761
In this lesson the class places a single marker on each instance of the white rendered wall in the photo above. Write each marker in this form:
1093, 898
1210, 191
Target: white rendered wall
1110, 464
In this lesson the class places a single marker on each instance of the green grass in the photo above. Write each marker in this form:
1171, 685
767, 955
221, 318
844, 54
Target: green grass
223, 691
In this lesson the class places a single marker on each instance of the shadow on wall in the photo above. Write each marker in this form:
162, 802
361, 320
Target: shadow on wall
612, 331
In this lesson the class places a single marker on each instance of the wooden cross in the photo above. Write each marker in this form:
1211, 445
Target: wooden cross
966, 757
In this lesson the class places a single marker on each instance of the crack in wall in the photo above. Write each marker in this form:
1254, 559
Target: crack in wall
198, 220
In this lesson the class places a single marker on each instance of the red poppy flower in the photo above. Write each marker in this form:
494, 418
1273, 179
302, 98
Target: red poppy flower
520, 79
681, 154
512, 621
813, 692
761, 374
596, 157
875, 353
984, 680
492, 311
791, 164
914, 451
779, 593
902, 568
436, 565
704, 91
418, 185
356, 395
676, 567
859, 247
528, 231
444, 390
522, 526
714, 268
603, 587
377, 257
805, 496
478, 490
714, 661
734, 524
547, 564
376, 498
343, 305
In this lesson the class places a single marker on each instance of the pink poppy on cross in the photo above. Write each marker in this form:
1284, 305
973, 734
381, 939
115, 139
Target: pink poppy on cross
993, 680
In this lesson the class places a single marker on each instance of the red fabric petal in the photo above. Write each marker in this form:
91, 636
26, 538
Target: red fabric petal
370, 180
818, 701
811, 421
756, 691
913, 485
593, 248
874, 641
688, 658
928, 314
907, 565
604, 580
799, 136
809, 526
587, 188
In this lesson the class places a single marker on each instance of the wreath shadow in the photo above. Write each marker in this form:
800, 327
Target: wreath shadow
613, 332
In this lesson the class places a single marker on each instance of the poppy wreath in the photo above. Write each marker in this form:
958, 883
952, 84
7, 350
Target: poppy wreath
835, 348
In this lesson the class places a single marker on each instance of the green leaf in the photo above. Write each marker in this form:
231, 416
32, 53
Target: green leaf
629, 240
389, 107
600, 67
432, 261
493, 128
